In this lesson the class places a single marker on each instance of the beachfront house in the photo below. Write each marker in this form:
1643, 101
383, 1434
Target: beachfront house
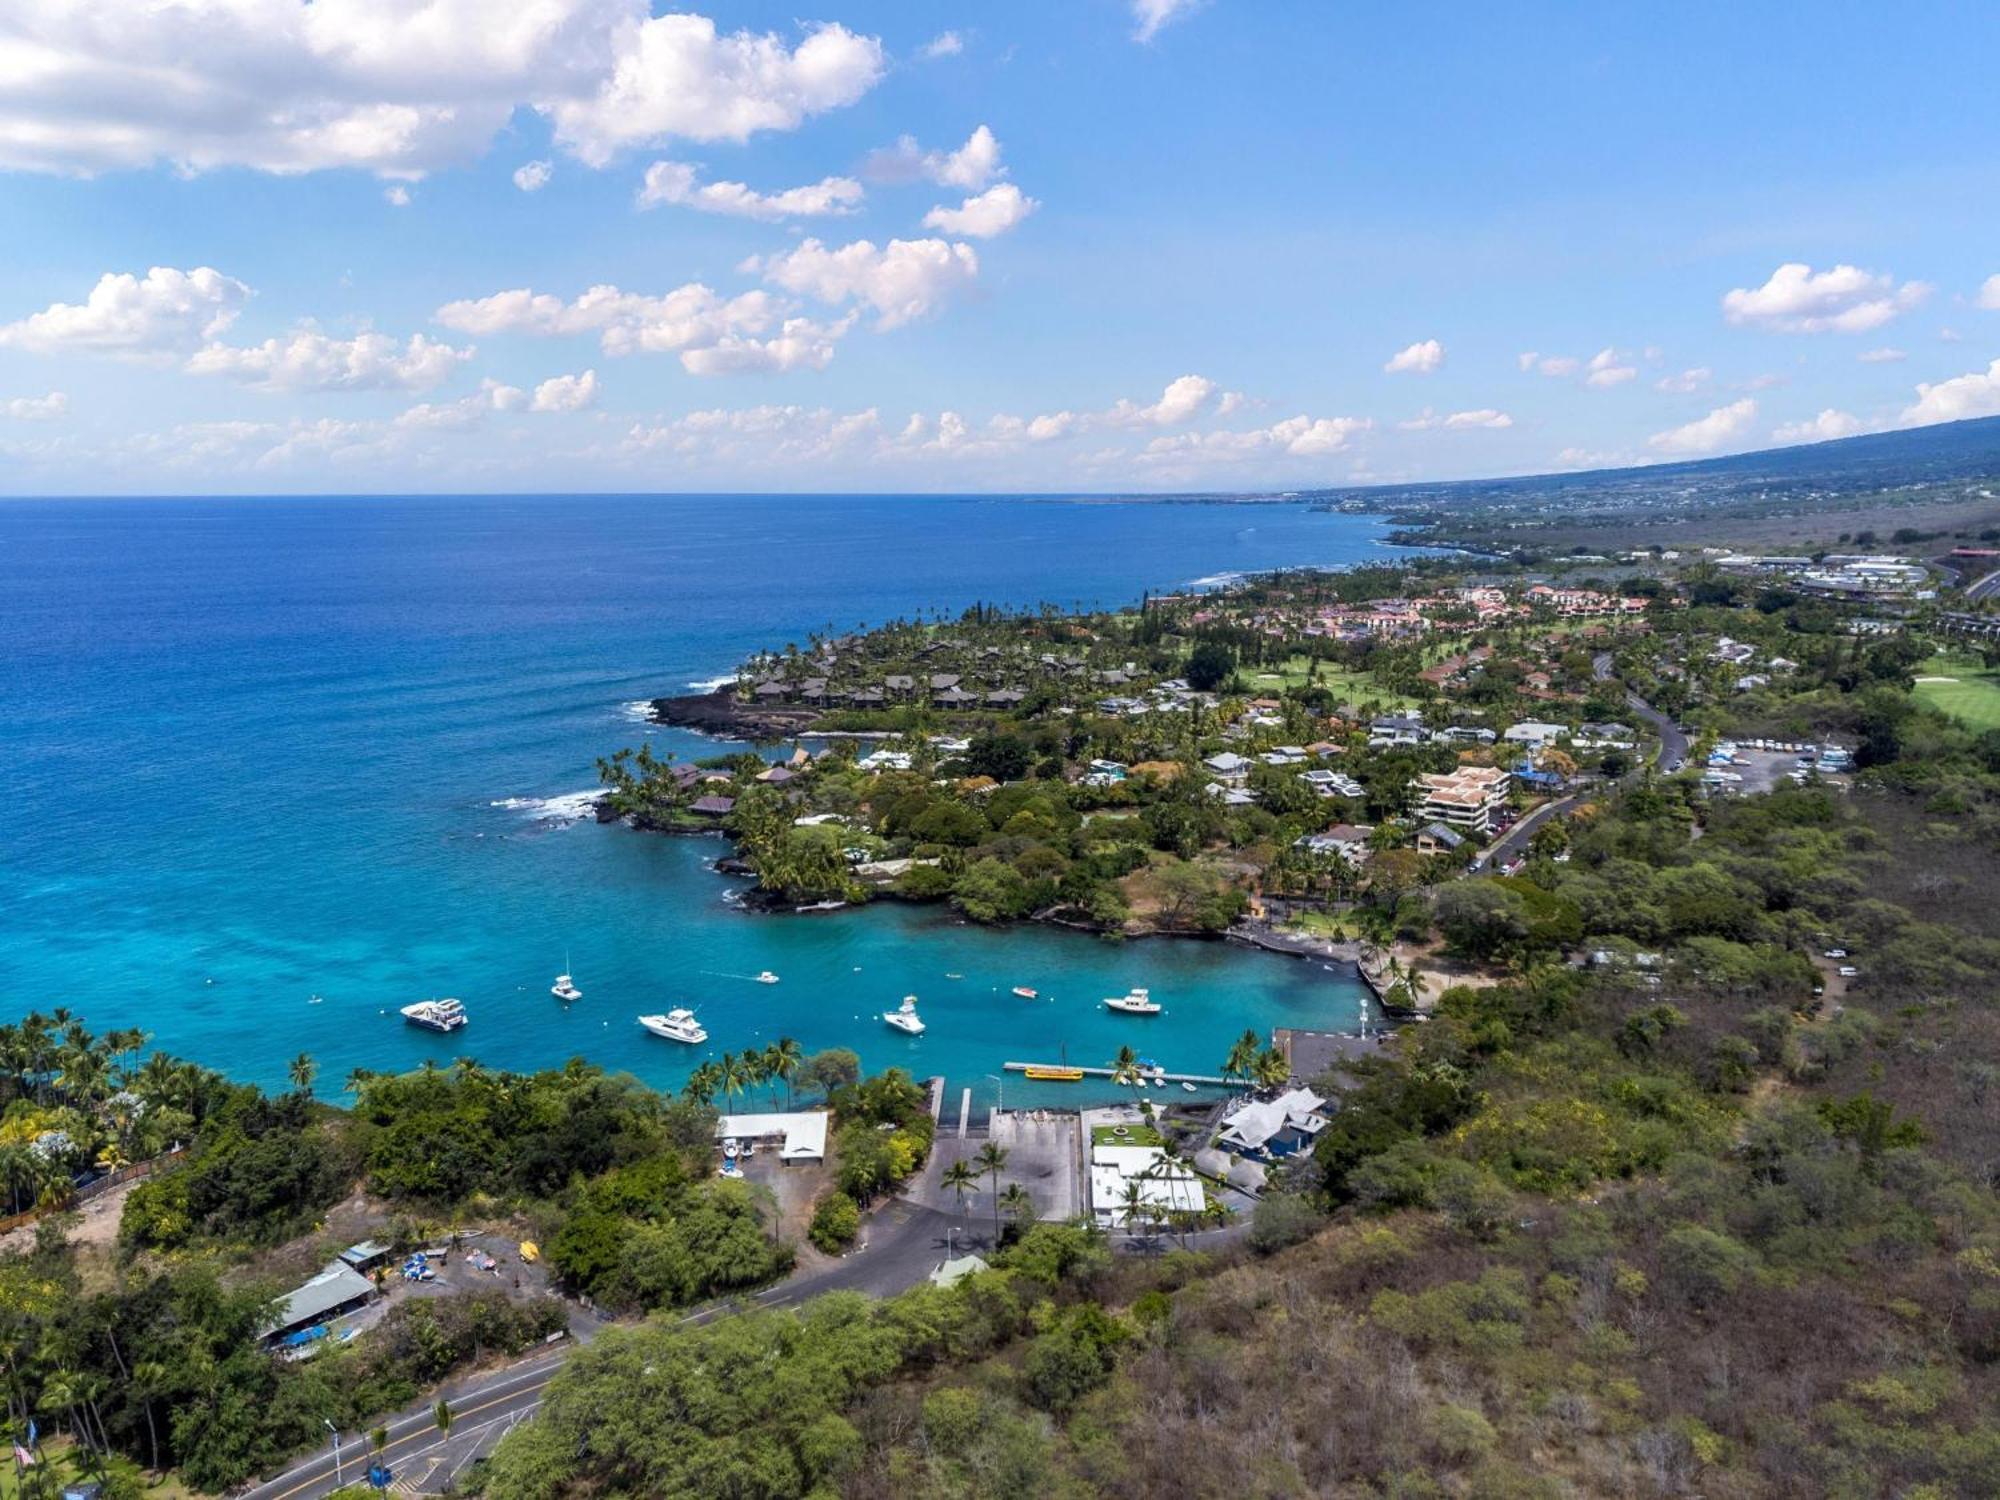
712, 806
1166, 1186
799, 1137
1348, 841
1274, 1128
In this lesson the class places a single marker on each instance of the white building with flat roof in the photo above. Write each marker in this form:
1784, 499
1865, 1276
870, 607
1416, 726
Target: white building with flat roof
1166, 1186
801, 1136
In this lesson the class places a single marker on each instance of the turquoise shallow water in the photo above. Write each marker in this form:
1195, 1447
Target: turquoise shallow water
257, 751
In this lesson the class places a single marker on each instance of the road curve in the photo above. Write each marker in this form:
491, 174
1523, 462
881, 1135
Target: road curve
904, 1242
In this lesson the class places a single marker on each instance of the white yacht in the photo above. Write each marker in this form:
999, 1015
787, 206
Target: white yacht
565, 988
905, 1018
436, 1015
1133, 1003
676, 1026
765, 976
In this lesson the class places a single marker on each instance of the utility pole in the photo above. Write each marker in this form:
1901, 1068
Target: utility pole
336, 1451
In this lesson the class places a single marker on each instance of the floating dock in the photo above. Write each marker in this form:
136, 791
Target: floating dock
1070, 1073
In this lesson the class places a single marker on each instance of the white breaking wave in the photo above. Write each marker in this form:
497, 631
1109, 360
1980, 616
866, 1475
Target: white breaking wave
640, 709
567, 808
712, 684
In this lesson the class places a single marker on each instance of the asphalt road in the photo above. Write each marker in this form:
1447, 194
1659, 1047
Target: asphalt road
1984, 588
902, 1244
1671, 756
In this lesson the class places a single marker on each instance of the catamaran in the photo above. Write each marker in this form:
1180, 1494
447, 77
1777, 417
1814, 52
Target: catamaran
676, 1026
1138, 1002
904, 1017
436, 1015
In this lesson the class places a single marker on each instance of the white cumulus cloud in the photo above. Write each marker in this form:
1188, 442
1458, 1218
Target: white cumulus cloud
678, 183
1845, 299
1418, 359
689, 317
902, 280
162, 313
991, 213
307, 360
560, 393
1458, 421
1989, 293
1828, 424
400, 88
971, 167
1607, 368
1555, 366
1687, 382
1973, 395
944, 44
35, 408
799, 344
1882, 357
533, 176
1706, 434
1184, 399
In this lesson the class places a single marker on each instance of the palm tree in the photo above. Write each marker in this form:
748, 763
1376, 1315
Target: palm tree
702, 1083
992, 1161
1132, 1207
960, 1176
303, 1070
770, 1062
1125, 1066
358, 1080
1270, 1068
790, 1058
1019, 1204
1242, 1054
733, 1076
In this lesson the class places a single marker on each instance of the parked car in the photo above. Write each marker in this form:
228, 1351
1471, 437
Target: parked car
1836, 953
1848, 971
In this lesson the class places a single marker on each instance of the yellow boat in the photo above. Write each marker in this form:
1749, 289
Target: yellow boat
1053, 1074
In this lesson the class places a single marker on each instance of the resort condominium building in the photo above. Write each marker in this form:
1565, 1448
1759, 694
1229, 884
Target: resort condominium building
1465, 798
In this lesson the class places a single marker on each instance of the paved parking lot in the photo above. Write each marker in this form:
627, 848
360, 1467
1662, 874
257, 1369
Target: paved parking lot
1042, 1155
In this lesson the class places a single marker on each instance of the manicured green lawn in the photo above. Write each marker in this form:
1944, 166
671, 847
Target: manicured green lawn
1135, 1135
1345, 685
1973, 697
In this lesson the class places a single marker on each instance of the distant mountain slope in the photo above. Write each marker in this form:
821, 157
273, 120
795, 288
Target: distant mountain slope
1916, 458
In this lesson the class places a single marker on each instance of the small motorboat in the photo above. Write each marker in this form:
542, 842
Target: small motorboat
1187, 1088
565, 988
676, 1026
904, 1018
1026, 992
1137, 1002
765, 976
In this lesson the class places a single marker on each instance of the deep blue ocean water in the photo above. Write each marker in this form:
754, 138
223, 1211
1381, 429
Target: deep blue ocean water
260, 750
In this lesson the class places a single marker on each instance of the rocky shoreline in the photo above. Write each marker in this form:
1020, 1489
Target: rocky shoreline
723, 714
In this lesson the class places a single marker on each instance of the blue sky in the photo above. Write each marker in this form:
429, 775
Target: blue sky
257, 245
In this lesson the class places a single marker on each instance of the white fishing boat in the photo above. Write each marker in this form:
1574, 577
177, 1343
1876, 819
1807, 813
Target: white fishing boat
436, 1015
765, 976
1137, 1002
676, 1026
565, 988
1026, 992
904, 1017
